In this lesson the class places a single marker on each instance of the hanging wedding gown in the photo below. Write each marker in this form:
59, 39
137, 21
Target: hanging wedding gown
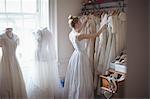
12, 84
47, 77
122, 29
102, 46
79, 79
89, 29
111, 44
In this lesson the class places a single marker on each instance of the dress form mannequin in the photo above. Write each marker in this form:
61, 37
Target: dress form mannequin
12, 84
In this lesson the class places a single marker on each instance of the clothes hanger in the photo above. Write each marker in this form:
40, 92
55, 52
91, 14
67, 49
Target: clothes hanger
114, 11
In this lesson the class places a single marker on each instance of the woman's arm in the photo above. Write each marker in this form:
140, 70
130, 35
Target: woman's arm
91, 36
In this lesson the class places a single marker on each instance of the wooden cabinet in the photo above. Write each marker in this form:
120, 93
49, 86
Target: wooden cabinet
113, 83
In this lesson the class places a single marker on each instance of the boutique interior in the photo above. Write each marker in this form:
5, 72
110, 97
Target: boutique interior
46, 54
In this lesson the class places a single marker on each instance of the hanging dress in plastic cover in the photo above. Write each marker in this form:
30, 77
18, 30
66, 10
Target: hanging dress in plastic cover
46, 75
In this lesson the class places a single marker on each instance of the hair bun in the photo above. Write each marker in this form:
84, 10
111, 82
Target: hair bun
70, 17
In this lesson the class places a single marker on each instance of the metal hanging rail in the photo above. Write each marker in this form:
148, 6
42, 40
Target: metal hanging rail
96, 6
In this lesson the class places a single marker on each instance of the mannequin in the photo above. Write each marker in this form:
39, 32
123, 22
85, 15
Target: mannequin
12, 84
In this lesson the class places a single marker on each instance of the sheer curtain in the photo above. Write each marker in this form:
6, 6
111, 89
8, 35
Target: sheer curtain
26, 17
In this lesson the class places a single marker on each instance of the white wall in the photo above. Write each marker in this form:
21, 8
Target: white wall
64, 8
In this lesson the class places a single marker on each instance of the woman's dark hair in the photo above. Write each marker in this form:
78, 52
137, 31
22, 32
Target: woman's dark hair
72, 20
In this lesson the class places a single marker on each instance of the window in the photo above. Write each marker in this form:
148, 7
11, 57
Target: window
26, 13
25, 17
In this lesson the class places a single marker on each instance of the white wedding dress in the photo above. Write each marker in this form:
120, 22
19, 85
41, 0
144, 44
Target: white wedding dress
79, 78
46, 76
12, 84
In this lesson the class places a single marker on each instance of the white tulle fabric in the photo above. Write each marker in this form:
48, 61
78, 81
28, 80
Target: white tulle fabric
46, 71
79, 79
12, 84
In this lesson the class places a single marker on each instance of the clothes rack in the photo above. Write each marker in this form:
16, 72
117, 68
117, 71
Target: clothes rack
92, 7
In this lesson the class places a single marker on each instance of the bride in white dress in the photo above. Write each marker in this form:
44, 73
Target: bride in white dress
12, 84
79, 78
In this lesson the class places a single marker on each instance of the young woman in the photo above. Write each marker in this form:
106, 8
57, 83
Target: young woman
79, 79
